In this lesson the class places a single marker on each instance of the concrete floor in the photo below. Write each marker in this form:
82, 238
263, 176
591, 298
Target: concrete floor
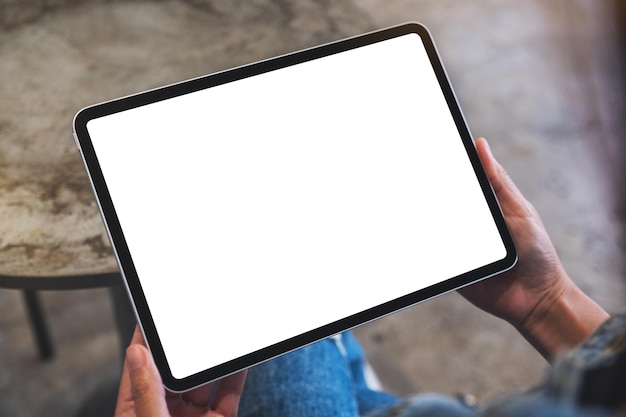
542, 80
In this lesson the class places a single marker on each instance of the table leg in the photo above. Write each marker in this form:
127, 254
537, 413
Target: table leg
38, 323
101, 402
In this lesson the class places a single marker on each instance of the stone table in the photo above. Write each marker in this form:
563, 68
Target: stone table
60, 56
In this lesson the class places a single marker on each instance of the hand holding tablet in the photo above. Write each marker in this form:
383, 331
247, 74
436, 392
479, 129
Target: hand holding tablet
316, 191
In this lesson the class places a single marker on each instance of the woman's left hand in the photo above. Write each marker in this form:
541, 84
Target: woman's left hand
142, 394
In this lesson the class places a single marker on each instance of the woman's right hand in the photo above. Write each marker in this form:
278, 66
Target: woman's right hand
536, 296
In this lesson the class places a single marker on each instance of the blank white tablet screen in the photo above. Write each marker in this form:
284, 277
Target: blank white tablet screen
260, 209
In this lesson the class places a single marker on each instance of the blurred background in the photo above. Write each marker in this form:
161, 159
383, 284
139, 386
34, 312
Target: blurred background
543, 80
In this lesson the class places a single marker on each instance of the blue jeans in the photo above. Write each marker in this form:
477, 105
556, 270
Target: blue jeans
327, 379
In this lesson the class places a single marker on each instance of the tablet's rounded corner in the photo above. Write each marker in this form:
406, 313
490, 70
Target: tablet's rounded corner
511, 258
514, 258
417, 27
175, 385
82, 117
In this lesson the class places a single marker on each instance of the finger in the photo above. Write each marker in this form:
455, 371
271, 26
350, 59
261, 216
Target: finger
124, 405
510, 197
228, 394
147, 390
200, 396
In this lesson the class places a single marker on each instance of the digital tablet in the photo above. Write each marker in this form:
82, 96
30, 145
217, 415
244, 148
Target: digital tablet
263, 208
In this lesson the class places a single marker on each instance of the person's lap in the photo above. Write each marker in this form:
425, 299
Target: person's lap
328, 378
323, 379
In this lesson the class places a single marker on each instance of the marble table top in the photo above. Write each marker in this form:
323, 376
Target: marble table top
56, 61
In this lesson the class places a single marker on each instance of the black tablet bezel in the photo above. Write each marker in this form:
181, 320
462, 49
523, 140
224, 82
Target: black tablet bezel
123, 255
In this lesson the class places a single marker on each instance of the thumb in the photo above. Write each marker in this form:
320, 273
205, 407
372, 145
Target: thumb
147, 390
510, 197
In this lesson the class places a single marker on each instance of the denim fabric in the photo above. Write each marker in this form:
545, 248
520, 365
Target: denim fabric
367, 399
323, 379
328, 379
427, 405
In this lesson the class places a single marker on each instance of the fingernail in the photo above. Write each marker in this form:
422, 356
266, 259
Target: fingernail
487, 147
135, 357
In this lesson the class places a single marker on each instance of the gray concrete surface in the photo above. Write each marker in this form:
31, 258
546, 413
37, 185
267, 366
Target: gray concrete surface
542, 80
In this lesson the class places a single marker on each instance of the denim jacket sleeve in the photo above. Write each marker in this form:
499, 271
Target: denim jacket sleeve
589, 381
